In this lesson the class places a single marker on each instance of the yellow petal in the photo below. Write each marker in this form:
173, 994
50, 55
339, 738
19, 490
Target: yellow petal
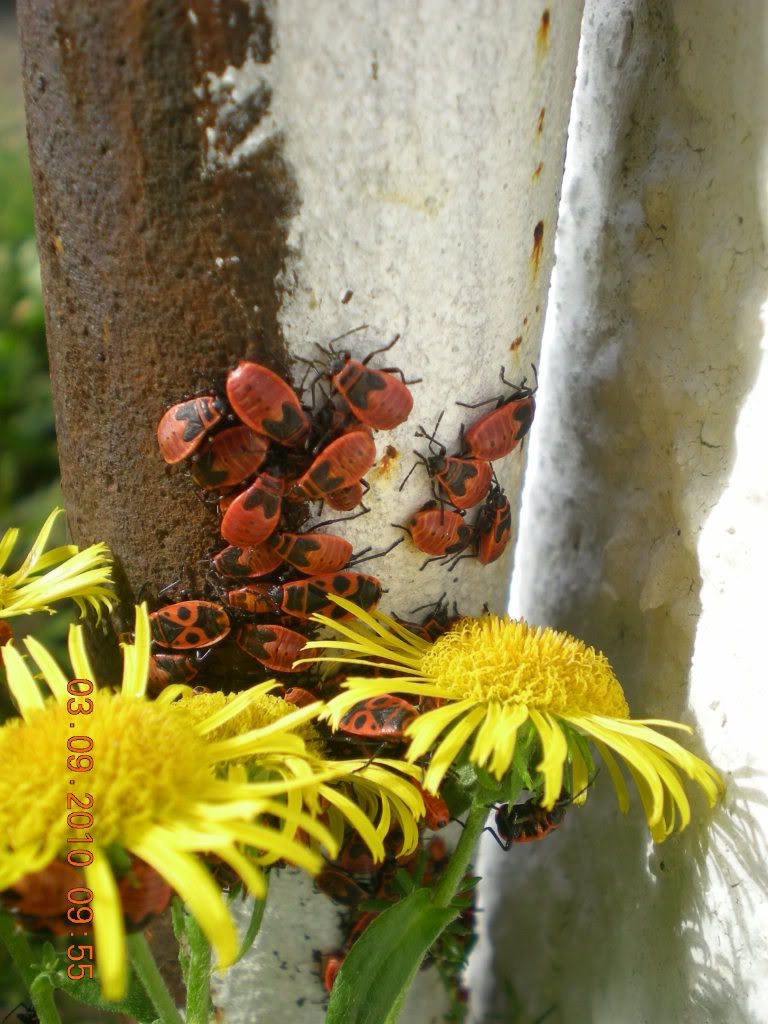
108, 927
21, 683
425, 729
184, 873
446, 753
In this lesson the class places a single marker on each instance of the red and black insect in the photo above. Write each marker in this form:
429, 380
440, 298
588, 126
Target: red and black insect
384, 717
276, 647
229, 458
253, 515
298, 697
330, 965
166, 669
529, 821
189, 625
347, 498
355, 857
183, 427
438, 531
302, 598
494, 526
144, 894
39, 899
499, 431
339, 887
338, 466
464, 482
6, 634
375, 397
266, 403
244, 563
24, 1013
435, 623
436, 812
312, 553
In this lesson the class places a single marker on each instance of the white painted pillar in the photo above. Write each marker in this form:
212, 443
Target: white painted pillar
427, 144
644, 529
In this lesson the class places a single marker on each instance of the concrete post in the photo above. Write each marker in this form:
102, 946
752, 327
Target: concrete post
644, 524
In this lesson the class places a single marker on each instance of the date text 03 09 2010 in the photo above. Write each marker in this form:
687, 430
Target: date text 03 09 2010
80, 816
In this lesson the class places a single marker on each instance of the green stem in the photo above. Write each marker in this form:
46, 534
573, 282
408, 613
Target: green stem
461, 856
144, 964
198, 974
39, 986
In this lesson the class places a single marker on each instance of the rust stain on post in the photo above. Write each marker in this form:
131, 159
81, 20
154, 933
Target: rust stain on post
158, 271
538, 239
542, 35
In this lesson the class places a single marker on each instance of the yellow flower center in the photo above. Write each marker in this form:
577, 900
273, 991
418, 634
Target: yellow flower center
147, 764
261, 712
509, 662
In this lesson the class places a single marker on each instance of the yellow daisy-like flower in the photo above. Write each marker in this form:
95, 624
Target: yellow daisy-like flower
493, 676
48, 576
367, 795
155, 787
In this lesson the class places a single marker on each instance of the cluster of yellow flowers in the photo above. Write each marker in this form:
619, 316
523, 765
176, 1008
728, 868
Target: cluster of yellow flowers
245, 778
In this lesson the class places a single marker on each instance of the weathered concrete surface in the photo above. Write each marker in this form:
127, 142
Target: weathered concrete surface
644, 524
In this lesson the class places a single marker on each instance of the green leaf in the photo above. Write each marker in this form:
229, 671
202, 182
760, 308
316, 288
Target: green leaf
254, 925
379, 969
136, 1005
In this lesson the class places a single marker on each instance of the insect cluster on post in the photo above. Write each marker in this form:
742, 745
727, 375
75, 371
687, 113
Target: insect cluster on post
262, 454
467, 480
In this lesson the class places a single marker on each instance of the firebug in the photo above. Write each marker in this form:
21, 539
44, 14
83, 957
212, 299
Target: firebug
312, 553
499, 431
229, 458
183, 427
438, 531
384, 717
253, 515
494, 526
276, 647
346, 498
298, 697
266, 403
339, 465
189, 624
243, 563
375, 397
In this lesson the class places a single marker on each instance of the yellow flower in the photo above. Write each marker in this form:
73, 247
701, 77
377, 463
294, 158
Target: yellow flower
155, 788
493, 676
48, 576
367, 795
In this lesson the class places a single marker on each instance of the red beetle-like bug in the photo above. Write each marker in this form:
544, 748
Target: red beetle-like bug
253, 515
339, 465
182, 427
384, 717
438, 531
298, 697
499, 431
464, 482
494, 526
276, 647
242, 563
346, 498
312, 553
229, 458
302, 598
189, 624
266, 403
375, 397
